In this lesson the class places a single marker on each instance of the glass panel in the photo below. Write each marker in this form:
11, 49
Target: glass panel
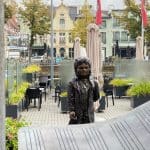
124, 36
103, 24
129, 68
103, 37
62, 38
116, 22
13, 76
71, 52
62, 23
116, 36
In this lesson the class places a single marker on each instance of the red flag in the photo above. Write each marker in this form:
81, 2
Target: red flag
98, 13
144, 13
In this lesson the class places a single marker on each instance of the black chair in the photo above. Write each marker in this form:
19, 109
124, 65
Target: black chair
44, 86
49, 83
108, 90
57, 92
33, 93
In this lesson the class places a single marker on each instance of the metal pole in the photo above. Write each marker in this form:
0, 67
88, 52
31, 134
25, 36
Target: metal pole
2, 78
142, 35
52, 39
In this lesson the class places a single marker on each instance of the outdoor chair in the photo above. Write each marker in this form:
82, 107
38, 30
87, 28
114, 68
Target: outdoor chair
57, 92
45, 79
44, 86
108, 90
33, 94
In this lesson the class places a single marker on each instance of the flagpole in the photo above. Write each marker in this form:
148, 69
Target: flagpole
144, 24
51, 52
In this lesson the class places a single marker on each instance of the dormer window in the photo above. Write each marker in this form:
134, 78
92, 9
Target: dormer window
62, 23
61, 15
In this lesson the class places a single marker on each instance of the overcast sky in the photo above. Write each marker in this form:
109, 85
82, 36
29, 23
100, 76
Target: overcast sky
106, 4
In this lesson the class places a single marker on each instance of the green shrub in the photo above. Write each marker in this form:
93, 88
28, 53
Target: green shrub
32, 68
64, 94
16, 97
120, 82
139, 89
12, 127
102, 93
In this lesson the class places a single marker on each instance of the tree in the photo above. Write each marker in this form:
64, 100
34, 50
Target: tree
132, 20
80, 25
36, 15
10, 10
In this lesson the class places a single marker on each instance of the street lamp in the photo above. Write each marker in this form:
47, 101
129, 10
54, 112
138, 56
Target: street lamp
128, 47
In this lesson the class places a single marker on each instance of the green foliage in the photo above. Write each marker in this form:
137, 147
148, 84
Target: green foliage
131, 19
16, 97
12, 127
32, 68
9, 10
35, 15
102, 93
139, 89
63, 94
120, 82
80, 25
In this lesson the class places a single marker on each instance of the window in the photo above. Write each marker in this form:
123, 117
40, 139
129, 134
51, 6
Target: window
116, 36
61, 15
70, 38
62, 38
71, 52
62, 23
103, 24
62, 52
103, 37
124, 36
54, 37
116, 22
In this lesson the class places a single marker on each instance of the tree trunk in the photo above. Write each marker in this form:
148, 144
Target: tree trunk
2, 78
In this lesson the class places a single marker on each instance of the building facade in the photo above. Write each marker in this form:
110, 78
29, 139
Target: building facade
62, 26
115, 39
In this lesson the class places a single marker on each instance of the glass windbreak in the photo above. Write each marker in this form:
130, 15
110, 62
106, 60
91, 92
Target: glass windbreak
13, 76
138, 70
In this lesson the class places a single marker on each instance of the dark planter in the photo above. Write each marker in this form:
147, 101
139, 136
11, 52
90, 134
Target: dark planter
29, 77
120, 90
139, 100
14, 111
64, 104
102, 104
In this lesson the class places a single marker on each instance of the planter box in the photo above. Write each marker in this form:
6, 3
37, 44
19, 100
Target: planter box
64, 104
120, 90
29, 77
14, 111
136, 101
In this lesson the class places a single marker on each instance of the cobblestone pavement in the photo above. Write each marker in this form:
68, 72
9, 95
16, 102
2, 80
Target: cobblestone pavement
50, 114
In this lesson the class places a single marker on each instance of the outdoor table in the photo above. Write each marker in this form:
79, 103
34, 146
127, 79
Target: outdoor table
33, 93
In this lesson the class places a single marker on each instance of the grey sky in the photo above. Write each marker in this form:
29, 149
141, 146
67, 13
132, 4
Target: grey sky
106, 4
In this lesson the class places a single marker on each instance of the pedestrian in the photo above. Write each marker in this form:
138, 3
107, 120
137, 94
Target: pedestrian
82, 93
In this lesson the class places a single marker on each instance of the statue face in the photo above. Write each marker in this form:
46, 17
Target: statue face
83, 70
